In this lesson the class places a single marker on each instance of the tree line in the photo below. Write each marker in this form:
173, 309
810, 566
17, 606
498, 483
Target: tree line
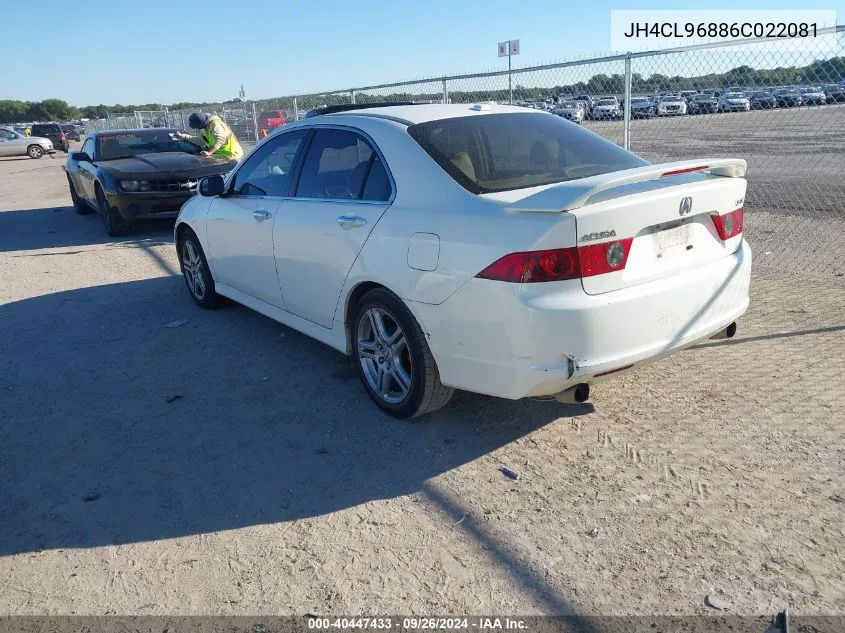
12, 111
818, 72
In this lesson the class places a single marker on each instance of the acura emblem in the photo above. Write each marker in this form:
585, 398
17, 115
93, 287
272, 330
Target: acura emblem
686, 206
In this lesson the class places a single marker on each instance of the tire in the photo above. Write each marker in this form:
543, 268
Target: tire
195, 271
35, 151
112, 222
79, 205
380, 322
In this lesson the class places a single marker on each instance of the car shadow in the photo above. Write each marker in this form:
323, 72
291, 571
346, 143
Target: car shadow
61, 226
118, 429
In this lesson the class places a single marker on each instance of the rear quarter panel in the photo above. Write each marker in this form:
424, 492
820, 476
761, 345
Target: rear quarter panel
473, 231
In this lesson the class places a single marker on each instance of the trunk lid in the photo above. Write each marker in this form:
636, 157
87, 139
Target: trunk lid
666, 211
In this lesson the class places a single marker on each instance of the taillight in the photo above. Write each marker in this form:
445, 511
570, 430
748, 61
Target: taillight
534, 266
730, 224
62, 136
559, 264
607, 257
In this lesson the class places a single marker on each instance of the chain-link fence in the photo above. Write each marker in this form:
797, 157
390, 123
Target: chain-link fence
781, 110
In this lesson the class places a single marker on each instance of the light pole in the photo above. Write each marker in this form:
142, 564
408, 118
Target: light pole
510, 49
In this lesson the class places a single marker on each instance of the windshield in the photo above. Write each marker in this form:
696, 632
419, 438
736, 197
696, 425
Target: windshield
137, 142
501, 152
570, 104
607, 102
703, 98
735, 95
639, 100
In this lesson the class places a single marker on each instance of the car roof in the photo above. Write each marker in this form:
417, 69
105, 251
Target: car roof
424, 112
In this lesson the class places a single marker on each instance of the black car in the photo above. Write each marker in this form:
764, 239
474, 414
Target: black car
129, 175
762, 100
788, 98
702, 104
54, 132
72, 131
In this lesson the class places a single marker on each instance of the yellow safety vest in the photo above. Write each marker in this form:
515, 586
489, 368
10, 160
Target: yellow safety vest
231, 149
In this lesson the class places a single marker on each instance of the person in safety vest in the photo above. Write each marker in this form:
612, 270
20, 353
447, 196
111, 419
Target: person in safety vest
217, 137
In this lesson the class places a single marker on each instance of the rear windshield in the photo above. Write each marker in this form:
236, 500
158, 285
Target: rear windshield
135, 143
501, 152
46, 129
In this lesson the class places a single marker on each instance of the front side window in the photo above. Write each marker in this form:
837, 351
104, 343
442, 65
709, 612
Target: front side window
501, 152
88, 148
6, 134
268, 171
336, 166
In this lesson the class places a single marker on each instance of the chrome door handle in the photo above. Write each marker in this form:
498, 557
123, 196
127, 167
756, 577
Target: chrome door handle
350, 221
261, 215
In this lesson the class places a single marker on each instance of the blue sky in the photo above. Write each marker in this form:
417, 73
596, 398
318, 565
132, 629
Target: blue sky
171, 50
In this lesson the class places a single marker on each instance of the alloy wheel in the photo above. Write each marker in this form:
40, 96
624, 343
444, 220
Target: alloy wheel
193, 270
384, 355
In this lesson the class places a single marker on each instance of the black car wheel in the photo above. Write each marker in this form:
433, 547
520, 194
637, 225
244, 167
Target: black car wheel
35, 151
392, 357
195, 270
113, 224
79, 205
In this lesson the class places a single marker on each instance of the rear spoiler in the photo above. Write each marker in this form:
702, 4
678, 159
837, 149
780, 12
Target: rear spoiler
568, 196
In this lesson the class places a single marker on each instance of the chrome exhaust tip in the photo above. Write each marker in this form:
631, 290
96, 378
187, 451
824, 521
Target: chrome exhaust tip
728, 332
574, 395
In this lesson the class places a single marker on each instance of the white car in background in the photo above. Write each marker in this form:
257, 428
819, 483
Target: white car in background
734, 102
668, 105
494, 249
607, 108
13, 143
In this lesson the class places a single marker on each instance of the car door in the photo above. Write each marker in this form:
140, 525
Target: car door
10, 144
85, 173
239, 223
342, 190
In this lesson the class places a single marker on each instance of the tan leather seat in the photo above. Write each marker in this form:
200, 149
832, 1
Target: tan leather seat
463, 162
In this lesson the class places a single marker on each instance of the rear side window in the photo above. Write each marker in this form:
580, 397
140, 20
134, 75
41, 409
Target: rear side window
45, 129
501, 152
335, 166
377, 186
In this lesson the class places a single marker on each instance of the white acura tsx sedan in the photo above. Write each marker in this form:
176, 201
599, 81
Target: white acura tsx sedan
489, 248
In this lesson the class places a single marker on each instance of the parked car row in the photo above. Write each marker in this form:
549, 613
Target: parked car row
691, 102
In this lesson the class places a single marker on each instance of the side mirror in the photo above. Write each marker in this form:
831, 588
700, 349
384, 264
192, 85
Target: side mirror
80, 157
211, 186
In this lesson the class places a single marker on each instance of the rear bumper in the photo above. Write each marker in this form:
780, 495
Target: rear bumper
513, 341
144, 206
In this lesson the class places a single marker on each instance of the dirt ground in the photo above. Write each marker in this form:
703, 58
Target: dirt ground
273, 486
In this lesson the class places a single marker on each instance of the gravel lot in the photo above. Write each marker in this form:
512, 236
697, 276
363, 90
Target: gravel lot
273, 486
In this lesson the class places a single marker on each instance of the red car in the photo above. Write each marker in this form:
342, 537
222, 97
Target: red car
271, 120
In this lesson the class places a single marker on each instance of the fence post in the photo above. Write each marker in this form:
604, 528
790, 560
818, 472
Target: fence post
626, 139
295, 110
445, 92
166, 117
255, 121
352, 95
